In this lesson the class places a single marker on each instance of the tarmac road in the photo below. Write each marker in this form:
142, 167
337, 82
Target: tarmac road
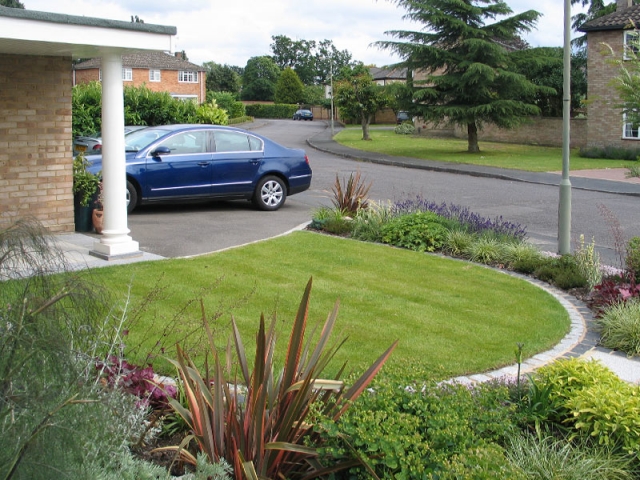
532, 200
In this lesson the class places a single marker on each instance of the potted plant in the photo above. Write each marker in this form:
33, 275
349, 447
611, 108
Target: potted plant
96, 215
85, 187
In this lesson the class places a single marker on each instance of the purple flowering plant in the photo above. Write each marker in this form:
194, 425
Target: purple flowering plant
471, 221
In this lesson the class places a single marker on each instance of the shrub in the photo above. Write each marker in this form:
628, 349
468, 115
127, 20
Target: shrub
421, 231
264, 425
331, 220
632, 261
412, 429
595, 402
548, 457
229, 102
367, 224
210, 113
619, 327
261, 110
562, 272
471, 221
588, 262
610, 291
633, 171
352, 195
610, 152
457, 242
485, 250
405, 128
520, 254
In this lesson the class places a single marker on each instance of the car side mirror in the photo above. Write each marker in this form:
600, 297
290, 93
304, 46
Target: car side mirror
161, 151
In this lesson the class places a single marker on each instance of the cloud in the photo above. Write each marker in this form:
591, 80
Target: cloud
231, 32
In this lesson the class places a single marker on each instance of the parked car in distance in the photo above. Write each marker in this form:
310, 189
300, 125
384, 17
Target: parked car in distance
209, 162
92, 144
402, 117
303, 115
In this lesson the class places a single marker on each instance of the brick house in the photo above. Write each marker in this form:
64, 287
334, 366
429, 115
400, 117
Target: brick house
158, 71
605, 123
36, 176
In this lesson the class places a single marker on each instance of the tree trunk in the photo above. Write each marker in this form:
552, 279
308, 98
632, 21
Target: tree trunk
472, 135
364, 120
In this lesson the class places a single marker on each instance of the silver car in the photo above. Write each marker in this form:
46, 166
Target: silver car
92, 144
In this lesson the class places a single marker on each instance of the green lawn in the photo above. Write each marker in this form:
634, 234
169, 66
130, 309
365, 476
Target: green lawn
451, 317
503, 155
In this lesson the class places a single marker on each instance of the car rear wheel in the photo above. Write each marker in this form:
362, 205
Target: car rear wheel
270, 193
132, 197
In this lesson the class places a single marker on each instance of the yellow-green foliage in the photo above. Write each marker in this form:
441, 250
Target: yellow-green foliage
594, 401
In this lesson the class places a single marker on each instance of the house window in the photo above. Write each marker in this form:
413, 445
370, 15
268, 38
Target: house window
154, 75
631, 44
629, 129
127, 75
187, 76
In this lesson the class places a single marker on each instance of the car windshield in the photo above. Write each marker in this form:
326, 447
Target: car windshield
139, 139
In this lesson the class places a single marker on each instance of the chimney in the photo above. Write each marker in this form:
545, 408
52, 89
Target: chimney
623, 5
179, 54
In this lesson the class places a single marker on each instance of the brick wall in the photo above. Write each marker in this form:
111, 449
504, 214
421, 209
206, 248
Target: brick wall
168, 81
35, 140
545, 131
605, 121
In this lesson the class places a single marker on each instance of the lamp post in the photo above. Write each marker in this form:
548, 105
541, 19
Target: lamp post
331, 92
564, 206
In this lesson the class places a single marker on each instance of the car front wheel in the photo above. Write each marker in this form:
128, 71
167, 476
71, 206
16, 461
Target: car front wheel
132, 197
270, 194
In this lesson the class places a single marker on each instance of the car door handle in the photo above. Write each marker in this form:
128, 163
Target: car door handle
255, 161
203, 164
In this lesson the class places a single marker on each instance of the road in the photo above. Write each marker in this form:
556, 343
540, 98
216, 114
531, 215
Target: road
192, 229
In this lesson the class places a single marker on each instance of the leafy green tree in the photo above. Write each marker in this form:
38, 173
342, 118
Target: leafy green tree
260, 77
627, 82
222, 78
400, 95
311, 60
358, 96
313, 95
597, 9
544, 66
468, 80
12, 3
289, 88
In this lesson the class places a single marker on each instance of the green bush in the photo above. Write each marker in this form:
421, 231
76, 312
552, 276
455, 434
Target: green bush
405, 128
261, 110
521, 253
588, 262
210, 113
368, 222
485, 250
86, 105
633, 256
619, 327
457, 242
413, 429
610, 152
229, 102
563, 272
547, 457
420, 231
595, 402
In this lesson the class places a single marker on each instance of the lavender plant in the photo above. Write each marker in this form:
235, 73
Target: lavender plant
472, 222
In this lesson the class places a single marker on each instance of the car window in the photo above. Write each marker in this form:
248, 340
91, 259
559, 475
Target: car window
236, 142
139, 139
255, 144
186, 143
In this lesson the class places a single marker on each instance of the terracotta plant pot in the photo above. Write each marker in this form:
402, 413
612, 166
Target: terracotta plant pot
97, 218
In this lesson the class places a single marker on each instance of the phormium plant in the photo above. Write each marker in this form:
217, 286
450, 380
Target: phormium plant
262, 424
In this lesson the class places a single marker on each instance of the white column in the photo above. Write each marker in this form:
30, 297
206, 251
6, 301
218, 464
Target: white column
115, 241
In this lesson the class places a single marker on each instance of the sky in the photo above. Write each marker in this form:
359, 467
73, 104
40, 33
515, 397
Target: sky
232, 31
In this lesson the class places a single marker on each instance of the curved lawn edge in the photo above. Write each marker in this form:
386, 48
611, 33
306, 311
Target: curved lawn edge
452, 317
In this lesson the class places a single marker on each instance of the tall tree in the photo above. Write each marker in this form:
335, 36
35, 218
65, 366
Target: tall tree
468, 81
222, 78
597, 9
289, 88
12, 3
311, 60
259, 79
358, 96
544, 67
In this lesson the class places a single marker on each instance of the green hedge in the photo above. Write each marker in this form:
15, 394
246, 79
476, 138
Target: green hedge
260, 110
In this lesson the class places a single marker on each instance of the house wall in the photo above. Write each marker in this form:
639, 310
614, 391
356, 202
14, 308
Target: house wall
168, 81
36, 164
605, 121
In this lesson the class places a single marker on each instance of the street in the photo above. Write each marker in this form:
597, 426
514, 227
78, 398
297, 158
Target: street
192, 229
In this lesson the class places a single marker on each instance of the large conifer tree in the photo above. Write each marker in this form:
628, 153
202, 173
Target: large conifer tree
469, 81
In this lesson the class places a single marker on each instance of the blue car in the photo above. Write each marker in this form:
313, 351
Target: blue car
196, 162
